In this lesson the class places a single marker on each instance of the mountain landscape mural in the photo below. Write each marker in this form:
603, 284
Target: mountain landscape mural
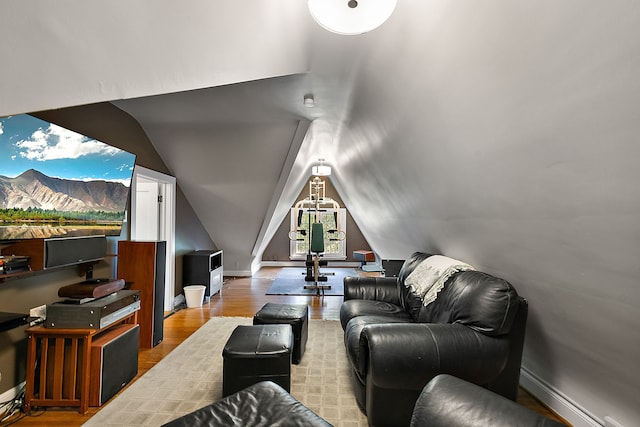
34, 205
55, 182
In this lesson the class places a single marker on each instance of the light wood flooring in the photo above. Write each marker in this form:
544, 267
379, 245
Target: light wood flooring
240, 297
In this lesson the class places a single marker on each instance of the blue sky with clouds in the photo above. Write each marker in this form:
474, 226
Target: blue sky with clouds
27, 142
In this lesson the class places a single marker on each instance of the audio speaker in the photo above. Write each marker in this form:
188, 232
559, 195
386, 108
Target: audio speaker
142, 265
59, 252
114, 362
392, 267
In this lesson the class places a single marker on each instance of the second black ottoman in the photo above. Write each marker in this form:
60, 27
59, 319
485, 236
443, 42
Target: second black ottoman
257, 353
296, 315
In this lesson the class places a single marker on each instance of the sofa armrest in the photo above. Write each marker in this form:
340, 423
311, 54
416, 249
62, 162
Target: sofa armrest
372, 288
408, 355
450, 401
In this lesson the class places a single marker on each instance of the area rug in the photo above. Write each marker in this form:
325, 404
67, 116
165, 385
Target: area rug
290, 281
190, 377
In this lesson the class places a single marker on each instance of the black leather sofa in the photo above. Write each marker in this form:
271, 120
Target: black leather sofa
474, 330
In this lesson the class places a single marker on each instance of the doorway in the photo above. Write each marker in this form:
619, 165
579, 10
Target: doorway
153, 207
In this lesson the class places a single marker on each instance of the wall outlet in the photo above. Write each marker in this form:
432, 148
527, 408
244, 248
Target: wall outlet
39, 312
610, 422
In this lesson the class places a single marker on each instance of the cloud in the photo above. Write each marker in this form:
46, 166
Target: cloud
124, 167
60, 143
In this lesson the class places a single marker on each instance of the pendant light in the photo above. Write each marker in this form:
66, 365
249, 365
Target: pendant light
321, 169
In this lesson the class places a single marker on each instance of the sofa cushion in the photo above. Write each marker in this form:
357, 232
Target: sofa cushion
478, 300
411, 302
360, 307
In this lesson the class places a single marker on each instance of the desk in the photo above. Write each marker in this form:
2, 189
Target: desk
363, 256
63, 365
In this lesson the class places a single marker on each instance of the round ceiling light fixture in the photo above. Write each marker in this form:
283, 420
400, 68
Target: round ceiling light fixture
350, 17
321, 169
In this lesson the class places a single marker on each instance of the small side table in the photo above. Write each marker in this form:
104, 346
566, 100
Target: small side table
63, 364
363, 256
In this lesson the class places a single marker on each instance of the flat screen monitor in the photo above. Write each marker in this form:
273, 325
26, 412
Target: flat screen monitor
55, 182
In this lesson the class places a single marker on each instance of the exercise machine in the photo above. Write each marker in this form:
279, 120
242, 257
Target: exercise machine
317, 232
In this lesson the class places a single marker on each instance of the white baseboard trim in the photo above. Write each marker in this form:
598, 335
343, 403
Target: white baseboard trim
557, 401
353, 264
282, 264
12, 393
237, 273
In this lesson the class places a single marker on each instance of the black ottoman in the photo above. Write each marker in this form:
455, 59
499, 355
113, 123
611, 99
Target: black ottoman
296, 315
257, 353
264, 404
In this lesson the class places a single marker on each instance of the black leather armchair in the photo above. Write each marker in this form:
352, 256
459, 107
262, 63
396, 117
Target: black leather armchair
448, 401
473, 330
264, 404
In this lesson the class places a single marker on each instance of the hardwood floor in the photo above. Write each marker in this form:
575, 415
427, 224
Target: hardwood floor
240, 297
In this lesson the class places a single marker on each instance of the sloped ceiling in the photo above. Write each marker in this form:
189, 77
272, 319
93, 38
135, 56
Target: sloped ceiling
501, 133
229, 147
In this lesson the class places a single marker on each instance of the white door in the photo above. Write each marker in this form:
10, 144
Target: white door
153, 207
147, 210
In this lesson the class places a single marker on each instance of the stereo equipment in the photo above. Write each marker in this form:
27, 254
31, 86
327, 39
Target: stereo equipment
12, 320
96, 314
14, 264
93, 288
142, 265
58, 252
114, 362
392, 267
74, 250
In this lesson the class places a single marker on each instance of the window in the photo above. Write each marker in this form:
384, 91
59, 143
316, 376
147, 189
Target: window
335, 242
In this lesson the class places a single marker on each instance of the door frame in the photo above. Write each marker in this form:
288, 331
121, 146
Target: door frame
167, 212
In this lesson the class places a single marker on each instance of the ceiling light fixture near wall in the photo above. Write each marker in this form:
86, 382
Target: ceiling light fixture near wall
350, 17
309, 101
321, 169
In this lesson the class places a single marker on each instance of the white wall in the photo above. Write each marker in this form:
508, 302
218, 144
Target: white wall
515, 149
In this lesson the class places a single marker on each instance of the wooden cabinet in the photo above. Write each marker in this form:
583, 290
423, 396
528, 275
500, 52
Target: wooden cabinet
142, 266
58, 365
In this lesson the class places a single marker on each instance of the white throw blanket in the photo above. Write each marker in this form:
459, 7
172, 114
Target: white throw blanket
431, 274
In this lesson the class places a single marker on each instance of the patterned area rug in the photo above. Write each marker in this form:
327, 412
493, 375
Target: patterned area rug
290, 281
190, 377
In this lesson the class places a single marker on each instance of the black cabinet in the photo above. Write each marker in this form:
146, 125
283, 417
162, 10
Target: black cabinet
203, 267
